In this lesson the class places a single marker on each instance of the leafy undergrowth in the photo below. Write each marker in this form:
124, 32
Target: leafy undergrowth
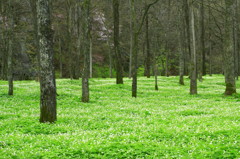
168, 123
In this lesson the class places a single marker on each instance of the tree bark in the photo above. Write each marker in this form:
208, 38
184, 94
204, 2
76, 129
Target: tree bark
136, 32
181, 50
110, 58
135, 50
10, 49
193, 82
235, 37
203, 49
118, 59
86, 50
188, 30
35, 26
131, 45
228, 51
148, 54
47, 75
91, 62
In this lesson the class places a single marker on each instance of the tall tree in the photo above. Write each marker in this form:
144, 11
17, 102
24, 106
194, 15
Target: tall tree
35, 27
181, 45
203, 49
148, 55
10, 48
118, 59
131, 44
228, 50
86, 49
235, 37
136, 31
193, 75
47, 77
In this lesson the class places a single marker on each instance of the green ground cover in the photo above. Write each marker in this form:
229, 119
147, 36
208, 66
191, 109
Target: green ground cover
168, 123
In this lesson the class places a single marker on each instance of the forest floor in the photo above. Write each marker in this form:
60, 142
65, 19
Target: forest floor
168, 123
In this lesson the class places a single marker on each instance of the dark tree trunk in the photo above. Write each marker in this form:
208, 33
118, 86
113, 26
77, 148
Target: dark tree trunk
136, 32
188, 28
86, 50
148, 54
131, 45
118, 57
181, 50
35, 27
60, 57
47, 77
10, 49
135, 50
228, 51
210, 39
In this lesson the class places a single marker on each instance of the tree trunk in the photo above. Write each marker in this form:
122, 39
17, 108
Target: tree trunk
156, 66
181, 50
69, 40
228, 51
193, 82
235, 37
118, 59
210, 58
47, 77
10, 49
131, 45
210, 39
135, 50
86, 50
35, 26
110, 58
136, 32
203, 50
188, 30
148, 55
60, 57
91, 62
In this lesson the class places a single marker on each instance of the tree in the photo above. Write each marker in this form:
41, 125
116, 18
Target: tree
203, 52
228, 50
181, 45
193, 75
235, 38
136, 31
118, 59
86, 49
35, 26
148, 53
47, 77
10, 48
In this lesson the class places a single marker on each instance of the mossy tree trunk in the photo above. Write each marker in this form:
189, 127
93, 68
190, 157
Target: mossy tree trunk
86, 49
47, 77
118, 57
228, 50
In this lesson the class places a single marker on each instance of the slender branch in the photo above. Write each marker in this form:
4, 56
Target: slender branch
145, 14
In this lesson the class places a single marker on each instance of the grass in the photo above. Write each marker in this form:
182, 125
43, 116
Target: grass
168, 123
